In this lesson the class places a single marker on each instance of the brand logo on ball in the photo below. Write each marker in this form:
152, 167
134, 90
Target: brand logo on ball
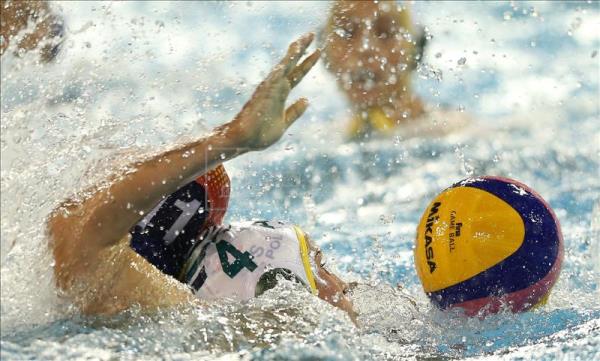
431, 219
452, 235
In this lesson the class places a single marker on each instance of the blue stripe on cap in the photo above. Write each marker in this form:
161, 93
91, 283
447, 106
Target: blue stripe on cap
167, 238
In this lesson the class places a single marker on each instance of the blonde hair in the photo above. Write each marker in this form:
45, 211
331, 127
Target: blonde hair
400, 13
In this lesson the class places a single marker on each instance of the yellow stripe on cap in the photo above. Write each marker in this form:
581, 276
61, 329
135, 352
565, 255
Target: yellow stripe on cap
375, 119
380, 121
305, 260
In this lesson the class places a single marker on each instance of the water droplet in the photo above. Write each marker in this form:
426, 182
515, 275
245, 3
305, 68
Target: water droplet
462, 61
426, 71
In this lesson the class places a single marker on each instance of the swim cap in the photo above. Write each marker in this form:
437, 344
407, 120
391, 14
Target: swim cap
165, 235
229, 261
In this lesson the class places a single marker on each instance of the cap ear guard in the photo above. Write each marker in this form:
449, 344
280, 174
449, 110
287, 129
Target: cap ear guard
420, 44
269, 280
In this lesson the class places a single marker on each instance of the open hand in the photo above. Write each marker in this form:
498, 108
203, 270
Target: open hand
264, 118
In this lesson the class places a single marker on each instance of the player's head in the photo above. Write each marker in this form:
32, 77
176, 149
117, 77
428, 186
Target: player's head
371, 48
245, 260
328, 286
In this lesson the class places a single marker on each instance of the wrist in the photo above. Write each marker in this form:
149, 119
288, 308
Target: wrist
228, 142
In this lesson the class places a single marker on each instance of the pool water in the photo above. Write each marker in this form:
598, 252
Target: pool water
135, 78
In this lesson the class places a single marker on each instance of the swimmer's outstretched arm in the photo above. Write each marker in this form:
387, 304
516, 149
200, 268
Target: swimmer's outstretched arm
79, 229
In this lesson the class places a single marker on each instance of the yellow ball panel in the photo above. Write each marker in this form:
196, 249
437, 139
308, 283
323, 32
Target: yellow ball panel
463, 232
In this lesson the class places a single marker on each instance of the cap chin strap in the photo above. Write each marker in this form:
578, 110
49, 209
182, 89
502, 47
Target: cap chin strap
380, 121
305, 259
375, 120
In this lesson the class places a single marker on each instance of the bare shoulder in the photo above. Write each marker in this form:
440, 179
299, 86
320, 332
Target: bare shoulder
108, 279
123, 278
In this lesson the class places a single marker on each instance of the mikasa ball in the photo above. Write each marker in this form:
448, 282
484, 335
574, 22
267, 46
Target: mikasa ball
486, 244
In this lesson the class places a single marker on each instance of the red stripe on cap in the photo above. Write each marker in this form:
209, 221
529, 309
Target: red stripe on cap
217, 185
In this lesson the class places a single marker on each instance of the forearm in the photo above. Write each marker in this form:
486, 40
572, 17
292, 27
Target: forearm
159, 176
114, 208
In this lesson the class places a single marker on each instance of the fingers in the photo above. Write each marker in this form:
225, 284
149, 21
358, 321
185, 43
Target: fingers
276, 75
295, 52
287, 70
295, 111
300, 71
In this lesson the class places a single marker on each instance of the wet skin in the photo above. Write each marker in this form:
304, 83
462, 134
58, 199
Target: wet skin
329, 286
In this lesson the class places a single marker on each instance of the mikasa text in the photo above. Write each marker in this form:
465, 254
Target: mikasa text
431, 218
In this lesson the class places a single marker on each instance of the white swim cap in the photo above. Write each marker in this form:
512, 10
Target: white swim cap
228, 261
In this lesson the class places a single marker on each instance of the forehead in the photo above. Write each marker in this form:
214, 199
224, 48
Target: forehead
363, 11
312, 247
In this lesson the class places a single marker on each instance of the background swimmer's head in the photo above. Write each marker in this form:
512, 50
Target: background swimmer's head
372, 49
32, 25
